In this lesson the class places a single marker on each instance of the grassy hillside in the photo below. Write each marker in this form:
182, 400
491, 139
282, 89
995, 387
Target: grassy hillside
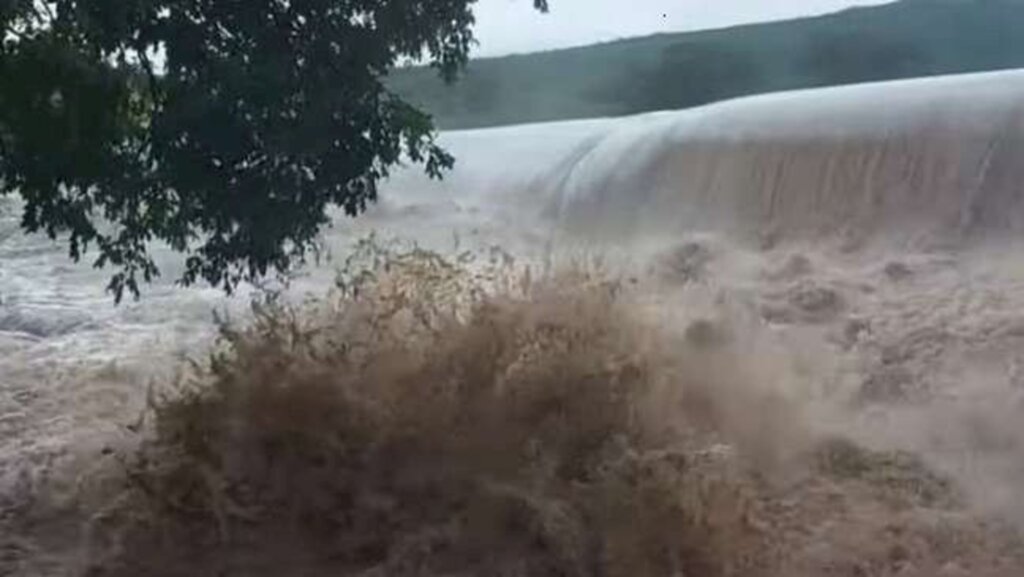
904, 39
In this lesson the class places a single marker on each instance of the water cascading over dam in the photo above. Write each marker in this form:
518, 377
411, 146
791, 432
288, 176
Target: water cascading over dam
894, 160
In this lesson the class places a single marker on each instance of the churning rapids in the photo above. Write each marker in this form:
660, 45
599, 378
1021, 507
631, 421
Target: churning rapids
856, 248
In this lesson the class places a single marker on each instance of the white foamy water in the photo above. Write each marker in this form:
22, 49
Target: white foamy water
867, 235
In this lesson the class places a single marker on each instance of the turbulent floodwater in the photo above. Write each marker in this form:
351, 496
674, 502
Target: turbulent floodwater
861, 243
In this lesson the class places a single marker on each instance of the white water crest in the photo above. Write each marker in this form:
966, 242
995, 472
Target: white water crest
864, 238
936, 155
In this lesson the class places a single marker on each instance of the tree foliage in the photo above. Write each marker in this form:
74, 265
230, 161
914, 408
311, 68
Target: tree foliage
223, 128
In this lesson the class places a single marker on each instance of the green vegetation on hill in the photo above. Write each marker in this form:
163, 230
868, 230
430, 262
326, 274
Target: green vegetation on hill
904, 39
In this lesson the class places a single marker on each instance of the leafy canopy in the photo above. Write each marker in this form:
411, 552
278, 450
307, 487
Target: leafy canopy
223, 128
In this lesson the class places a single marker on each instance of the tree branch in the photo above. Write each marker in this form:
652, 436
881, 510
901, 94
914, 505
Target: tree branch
147, 65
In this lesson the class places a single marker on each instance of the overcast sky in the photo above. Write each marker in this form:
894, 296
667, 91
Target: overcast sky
508, 26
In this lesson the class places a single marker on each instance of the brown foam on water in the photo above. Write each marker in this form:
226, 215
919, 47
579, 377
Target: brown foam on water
438, 419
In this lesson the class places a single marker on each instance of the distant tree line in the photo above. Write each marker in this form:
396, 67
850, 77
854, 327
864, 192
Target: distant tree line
695, 73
